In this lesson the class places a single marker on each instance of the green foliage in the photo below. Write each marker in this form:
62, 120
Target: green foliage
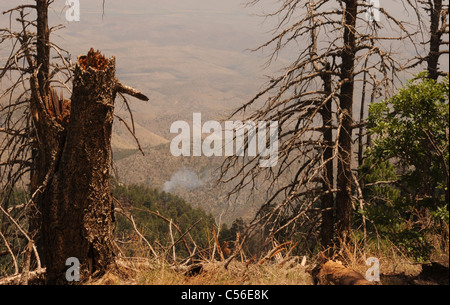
414, 242
441, 213
142, 199
411, 129
406, 168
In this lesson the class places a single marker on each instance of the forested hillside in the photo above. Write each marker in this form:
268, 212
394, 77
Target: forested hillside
153, 210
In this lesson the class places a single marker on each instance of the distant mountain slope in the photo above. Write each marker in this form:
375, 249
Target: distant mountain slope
192, 178
122, 139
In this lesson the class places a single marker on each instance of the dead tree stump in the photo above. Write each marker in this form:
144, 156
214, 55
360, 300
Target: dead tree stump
77, 211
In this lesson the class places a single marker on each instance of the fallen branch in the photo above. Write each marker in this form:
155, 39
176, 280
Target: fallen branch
336, 273
14, 279
253, 259
288, 255
273, 252
135, 263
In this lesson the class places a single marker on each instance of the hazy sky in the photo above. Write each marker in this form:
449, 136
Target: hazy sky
166, 22
164, 47
179, 51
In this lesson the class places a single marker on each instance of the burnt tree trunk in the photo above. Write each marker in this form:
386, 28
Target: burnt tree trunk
435, 39
77, 216
47, 134
344, 176
42, 46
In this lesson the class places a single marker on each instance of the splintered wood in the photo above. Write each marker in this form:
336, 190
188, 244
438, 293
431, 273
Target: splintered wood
58, 107
94, 59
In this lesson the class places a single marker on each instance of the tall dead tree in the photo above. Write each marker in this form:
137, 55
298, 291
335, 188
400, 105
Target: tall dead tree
67, 145
439, 27
433, 19
47, 137
313, 103
346, 97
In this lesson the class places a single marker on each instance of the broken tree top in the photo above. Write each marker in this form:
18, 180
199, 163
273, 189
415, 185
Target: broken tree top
98, 62
94, 59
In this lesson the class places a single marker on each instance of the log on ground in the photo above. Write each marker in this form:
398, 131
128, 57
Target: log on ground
336, 273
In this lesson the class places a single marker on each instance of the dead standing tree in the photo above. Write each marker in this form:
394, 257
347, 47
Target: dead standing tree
65, 145
313, 103
433, 17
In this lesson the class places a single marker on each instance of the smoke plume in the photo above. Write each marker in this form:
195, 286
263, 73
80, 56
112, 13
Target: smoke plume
186, 178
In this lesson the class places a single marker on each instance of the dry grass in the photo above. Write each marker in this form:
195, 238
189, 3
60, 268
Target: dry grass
255, 274
392, 260
213, 273
395, 268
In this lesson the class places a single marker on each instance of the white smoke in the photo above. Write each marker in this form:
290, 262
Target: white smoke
186, 178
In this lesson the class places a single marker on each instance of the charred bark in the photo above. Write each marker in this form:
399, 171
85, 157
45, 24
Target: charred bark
344, 176
42, 47
78, 213
47, 134
435, 39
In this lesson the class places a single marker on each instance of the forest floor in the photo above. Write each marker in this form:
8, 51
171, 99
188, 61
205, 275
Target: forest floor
271, 273
434, 273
